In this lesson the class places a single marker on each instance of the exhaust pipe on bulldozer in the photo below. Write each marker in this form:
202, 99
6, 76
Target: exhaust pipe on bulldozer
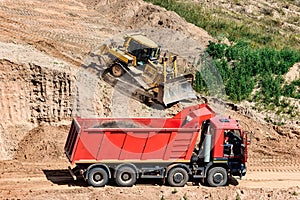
174, 61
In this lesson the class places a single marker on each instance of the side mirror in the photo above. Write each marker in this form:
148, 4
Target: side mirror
248, 141
249, 138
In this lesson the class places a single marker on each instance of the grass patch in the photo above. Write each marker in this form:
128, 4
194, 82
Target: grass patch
244, 68
260, 32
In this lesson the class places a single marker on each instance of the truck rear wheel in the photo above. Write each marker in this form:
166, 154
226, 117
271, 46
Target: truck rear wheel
117, 70
126, 176
217, 176
177, 177
97, 177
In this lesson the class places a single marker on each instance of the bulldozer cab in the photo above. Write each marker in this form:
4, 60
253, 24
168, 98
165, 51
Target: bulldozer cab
142, 48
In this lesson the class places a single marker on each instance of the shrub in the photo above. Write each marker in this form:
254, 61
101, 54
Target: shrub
242, 67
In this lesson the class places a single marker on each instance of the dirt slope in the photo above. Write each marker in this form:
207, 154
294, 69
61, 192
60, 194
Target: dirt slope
45, 48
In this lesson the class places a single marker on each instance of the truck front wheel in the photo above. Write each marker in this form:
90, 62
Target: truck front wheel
177, 177
97, 177
125, 176
217, 176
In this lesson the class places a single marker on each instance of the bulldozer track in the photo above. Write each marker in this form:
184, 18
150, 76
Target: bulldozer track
34, 37
20, 12
277, 161
273, 170
273, 164
22, 28
278, 164
126, 88
76, 30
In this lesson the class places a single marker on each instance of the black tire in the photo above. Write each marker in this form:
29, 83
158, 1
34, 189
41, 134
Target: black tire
177, 177
217, 176
116, 70
125, 176
97, 177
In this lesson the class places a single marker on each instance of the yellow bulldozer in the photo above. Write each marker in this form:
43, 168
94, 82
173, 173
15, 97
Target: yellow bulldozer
138, 64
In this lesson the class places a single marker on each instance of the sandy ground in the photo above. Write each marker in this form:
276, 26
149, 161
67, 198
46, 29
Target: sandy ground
45, 44
27, 180
39, 171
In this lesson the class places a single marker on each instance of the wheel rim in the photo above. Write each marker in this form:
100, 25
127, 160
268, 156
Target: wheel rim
98, 177
126, 177
178, 177
117, 70
218, 177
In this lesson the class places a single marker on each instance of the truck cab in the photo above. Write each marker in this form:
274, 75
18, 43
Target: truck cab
222, 144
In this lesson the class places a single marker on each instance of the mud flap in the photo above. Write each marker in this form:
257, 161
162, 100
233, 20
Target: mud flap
177, 89
72, 173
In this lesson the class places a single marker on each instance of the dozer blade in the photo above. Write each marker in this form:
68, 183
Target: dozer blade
177, 89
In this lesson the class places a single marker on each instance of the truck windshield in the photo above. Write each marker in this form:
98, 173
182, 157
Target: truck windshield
233, 133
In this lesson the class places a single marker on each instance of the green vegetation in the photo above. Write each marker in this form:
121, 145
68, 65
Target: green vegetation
185, 197
238, 196
263, 32
243, 67
174, 191
295, 193
254, 74
253, 67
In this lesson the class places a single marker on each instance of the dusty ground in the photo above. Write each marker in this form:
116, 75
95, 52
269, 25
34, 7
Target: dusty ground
271, 174
44, 53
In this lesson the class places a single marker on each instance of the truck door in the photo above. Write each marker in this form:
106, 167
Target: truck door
233, 142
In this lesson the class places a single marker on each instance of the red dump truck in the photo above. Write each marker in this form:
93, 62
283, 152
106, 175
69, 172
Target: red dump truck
193, 145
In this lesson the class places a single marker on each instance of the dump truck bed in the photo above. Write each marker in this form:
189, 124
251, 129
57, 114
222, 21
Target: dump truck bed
103, 140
